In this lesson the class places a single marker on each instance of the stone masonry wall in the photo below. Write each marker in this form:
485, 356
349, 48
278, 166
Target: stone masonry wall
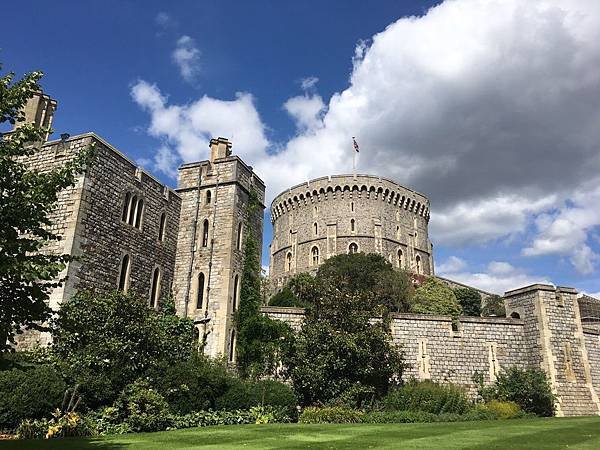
592, 344
330, 213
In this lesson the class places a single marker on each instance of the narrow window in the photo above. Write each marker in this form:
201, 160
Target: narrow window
418, 264
239, 236
235, 293
132, 210
288, 262
316, 210
208, 197
315, 255
353, 248
161, 227
352, 206
232, 346
125, 207
200, 294
124, 274
205, 233
290, 237
400, 260
155, 291
397, 232
138, 214
316, 228
352, 225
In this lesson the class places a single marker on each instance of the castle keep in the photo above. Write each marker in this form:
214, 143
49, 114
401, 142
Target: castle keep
131, 232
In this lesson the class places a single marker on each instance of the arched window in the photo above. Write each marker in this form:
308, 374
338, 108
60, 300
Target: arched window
397, 232
131, 210
236, 282
352, 225
138, 213
418, 264
155, 290
161, 227
125, 207
200, 294
515, 315
400, 260
353, 248
124, 273
232, 346
239, 236
290, 237
352, 206
208, 197
316, 210
316, 228
288, 262
315, 255
205, 233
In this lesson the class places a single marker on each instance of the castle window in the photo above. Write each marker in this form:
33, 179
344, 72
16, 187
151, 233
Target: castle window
316, 210
236, 283
239, 236
205, 233
126, 207
131, 210
353, 248
352, 225
155, 290
138, 214
418, 264
124, 273
315, 255
208, 197
290, 237
352, 206
200, 294
232, 346
316, 228
400, 260
161, 227
288, 262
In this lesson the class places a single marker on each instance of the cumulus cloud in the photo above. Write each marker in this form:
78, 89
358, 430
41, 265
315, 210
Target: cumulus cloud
187, 58
498, 277
489, 107
308, 83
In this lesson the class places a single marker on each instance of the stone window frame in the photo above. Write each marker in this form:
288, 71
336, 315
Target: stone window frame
418, 265
232, 341
235, 293
353, 225
313, 255
200, 291
400, 259
315, 228
350, 252
208, 197
155, 287
124, 278
205, 233
134, 207
240, 235
287, 263
162, 226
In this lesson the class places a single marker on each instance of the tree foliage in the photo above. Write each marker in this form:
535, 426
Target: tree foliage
435, 297
258, 336
493, 306
107, 341
469, 300
27, 196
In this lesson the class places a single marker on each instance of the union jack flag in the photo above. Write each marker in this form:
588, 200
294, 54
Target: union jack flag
355, 144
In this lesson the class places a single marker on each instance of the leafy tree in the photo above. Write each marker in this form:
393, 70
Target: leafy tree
299, 291
435, 297
470, 301
27, 196
339, 350
493, 306
107, 341
258, 336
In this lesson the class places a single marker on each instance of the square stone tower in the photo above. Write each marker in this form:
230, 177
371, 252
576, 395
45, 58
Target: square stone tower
210, 248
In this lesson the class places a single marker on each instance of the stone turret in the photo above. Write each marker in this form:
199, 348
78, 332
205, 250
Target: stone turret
39, 111
219, 148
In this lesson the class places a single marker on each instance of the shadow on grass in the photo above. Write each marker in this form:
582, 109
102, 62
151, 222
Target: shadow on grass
63, 444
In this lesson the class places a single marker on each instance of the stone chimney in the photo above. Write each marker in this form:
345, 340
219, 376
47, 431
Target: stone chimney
219, 148
38, 111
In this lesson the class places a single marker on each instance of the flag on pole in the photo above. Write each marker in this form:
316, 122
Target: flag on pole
355, 144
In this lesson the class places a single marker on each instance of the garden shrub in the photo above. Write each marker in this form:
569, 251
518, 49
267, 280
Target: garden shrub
503, 410
333, 414
429, 397
142, 408
435, 297
528, 388
69, 424
399, 417
29, 394
245, 395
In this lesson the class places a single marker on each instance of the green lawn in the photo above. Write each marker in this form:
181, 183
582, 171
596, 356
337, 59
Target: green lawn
572, 433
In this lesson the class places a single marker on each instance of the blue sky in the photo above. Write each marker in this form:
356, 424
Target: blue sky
490, 108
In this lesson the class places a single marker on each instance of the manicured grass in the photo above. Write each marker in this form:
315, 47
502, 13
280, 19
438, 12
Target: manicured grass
572, 433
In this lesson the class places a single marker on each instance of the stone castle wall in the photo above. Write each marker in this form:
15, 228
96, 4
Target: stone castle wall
217, 259
323, 217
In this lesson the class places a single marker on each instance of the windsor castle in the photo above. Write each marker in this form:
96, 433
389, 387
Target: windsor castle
133, 233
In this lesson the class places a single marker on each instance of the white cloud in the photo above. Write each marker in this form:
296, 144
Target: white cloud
498, 277
164, 20
451, 265
489, 107
187, 58
308, 83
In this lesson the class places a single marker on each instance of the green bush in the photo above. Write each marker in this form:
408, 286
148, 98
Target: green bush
399, 417
469, 300
429, 397
60, 425
528, 388
332, 414
245, 395
142, 408
435, 297
29, 394
503, 410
